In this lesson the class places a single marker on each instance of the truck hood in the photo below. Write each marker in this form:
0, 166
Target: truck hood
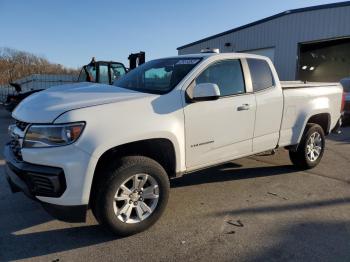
47, 105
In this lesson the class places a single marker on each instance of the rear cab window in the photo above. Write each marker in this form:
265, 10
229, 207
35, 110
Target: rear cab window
261, 74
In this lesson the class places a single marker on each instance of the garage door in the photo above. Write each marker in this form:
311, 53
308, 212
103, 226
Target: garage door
269, 52
324, 61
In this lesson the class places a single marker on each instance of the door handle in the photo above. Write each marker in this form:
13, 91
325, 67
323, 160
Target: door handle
243, 107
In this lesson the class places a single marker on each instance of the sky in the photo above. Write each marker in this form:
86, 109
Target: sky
71, 32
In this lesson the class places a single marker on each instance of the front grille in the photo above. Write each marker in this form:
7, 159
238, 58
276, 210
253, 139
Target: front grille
17, 136
16, 148
21, 125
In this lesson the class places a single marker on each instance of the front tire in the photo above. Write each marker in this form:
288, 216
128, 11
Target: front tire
132, 195
310, 149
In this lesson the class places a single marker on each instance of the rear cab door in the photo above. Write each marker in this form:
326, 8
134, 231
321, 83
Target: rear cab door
269, 104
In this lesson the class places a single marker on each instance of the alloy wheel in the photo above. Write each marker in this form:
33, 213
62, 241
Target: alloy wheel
314, 146
136, 198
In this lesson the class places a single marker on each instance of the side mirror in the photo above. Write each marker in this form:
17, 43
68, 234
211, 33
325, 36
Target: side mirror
205, 92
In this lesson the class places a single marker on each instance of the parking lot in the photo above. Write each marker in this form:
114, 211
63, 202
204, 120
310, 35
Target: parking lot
253, 209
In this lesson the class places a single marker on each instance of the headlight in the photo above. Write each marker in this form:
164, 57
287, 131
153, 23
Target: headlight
52, 135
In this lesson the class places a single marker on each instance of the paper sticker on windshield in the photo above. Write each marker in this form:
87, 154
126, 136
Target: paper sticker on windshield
188, 62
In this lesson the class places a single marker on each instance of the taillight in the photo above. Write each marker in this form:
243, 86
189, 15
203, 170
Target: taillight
343, 103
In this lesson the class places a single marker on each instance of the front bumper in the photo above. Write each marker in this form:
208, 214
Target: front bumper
46, 181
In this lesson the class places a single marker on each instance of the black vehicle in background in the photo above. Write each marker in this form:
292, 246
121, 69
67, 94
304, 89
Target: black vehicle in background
103, 72
96, 71
13, 100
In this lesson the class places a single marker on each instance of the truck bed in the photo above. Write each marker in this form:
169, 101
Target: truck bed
301, 101
301, 84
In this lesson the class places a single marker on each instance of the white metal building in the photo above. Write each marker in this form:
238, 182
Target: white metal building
310, 43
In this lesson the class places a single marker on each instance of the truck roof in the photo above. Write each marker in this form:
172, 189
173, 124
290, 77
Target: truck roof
223, 55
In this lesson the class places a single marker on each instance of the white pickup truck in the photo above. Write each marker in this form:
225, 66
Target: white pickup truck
114, 148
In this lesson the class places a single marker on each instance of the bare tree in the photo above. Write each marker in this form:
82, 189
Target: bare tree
16, 64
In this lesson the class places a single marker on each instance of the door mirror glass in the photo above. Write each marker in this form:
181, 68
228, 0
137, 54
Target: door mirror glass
205, 92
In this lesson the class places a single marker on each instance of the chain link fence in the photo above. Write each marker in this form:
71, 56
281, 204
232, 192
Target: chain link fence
34, 82
5, 90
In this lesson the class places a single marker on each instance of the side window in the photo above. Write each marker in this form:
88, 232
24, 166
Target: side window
117, 71
261, 74
91, 73
104, 78
82, 76
227, 75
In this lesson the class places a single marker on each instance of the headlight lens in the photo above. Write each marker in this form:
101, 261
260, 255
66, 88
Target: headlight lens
52, 135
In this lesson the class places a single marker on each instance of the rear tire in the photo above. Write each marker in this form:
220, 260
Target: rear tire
131, 196
310, 149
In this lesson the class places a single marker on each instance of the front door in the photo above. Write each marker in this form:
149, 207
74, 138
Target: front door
220, 130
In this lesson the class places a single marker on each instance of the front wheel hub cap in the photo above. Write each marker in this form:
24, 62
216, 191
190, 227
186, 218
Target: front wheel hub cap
128, 206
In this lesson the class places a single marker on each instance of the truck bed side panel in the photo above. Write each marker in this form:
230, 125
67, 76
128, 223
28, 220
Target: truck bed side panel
303, 103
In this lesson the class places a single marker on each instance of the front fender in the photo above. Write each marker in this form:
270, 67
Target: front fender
112, 125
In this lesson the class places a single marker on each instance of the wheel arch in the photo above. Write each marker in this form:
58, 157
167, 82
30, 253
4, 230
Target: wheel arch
322, 119
161, 150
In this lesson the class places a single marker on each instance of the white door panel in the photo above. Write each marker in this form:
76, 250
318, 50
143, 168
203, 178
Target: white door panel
269, 104
219, 130
269, 108
266, 142
269, 111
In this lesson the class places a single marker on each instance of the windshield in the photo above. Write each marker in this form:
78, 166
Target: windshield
157, 76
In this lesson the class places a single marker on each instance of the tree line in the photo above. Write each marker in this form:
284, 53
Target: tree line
16, 64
